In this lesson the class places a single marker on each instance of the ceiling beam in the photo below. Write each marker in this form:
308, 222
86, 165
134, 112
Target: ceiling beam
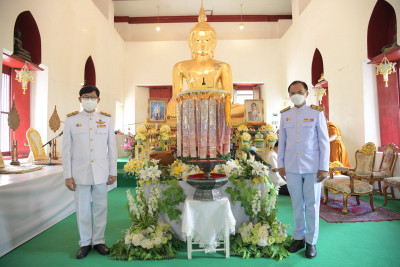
213, 18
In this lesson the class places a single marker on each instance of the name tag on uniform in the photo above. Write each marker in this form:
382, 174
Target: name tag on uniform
79, 125
101, 126
100, 122
309, 119
288, 119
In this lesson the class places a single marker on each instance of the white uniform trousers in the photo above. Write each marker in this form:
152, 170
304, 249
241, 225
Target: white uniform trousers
305, 194
83, 195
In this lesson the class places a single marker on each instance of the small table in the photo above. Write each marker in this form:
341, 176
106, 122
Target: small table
207, 223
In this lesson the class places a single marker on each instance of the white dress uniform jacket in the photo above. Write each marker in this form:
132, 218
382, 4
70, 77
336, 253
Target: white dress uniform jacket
303, 141
89, 148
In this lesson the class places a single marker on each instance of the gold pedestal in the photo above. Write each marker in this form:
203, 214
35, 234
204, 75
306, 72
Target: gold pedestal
54, 150
14, 154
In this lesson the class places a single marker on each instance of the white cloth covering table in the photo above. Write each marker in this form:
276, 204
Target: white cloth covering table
207, 223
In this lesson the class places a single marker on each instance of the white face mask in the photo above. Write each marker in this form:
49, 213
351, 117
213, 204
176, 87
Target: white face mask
89, 104
298, 99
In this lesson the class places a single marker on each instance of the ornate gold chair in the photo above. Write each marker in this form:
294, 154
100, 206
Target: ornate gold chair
386, 168
36, 145
356, 185
392, 182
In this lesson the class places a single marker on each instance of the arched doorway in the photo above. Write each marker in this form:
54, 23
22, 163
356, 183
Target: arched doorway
318, 80
382, 41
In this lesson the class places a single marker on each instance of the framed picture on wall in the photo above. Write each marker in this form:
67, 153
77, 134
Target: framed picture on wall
157, 110
254, 110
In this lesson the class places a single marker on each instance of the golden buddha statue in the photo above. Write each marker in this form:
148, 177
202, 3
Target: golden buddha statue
202, 70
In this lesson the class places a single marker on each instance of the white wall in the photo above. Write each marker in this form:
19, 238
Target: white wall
70, 32
339, 30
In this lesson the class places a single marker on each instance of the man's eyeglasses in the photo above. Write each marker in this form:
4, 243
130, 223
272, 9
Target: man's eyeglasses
89, 97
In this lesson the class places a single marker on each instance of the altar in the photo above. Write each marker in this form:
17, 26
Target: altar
31, 203
176, 227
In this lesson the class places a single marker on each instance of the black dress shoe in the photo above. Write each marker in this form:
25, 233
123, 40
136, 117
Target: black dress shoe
311, 251
102, 249
83, 251
296, 246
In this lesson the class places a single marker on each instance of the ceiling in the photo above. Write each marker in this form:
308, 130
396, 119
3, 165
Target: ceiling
148, 8
136, 20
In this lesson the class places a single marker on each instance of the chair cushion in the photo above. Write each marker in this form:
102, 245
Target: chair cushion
343, 185
381, 174
392, 180
387, 159
364, 163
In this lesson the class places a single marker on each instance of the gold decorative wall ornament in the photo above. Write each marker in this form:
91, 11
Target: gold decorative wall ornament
54, 121
320, 93
24, 76
13, 117
385, 68
13, 123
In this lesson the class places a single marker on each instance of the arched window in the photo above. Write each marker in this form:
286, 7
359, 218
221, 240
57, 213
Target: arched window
27, 48
382, 42
90, 72
317, 71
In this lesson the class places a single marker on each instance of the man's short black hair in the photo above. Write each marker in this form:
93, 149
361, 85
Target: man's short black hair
254, 104
88, 89
276, 144
296, 82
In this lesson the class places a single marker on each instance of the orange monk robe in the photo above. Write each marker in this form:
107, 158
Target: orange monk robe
338, 151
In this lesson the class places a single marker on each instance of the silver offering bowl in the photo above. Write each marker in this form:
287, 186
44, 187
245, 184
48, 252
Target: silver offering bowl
207, 184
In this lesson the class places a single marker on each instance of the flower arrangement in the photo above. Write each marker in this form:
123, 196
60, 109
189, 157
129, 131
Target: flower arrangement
165, 129
146, 171
246, 137
147, 238
133, 166
242, 128
272, 137
267, 128
181, 171
129, 145
149, 172
140, 137
335, 164
141, 130
263, 235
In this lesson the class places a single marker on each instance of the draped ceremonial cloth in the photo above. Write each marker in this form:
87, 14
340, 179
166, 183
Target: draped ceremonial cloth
338, 150
202, 128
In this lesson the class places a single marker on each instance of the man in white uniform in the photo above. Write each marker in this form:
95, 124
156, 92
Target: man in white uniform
90, 164
303, 158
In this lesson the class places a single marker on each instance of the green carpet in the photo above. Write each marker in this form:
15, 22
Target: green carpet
122, 179
339, 244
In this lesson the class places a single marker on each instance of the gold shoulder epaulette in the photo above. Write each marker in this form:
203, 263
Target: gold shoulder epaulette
317, 107
72, 113
285, 109
105, 114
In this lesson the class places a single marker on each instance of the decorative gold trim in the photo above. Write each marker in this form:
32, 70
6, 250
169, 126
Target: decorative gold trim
105, 114
285, 109
35, 148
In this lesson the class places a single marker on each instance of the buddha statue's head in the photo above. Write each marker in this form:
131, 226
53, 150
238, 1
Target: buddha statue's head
202, 38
